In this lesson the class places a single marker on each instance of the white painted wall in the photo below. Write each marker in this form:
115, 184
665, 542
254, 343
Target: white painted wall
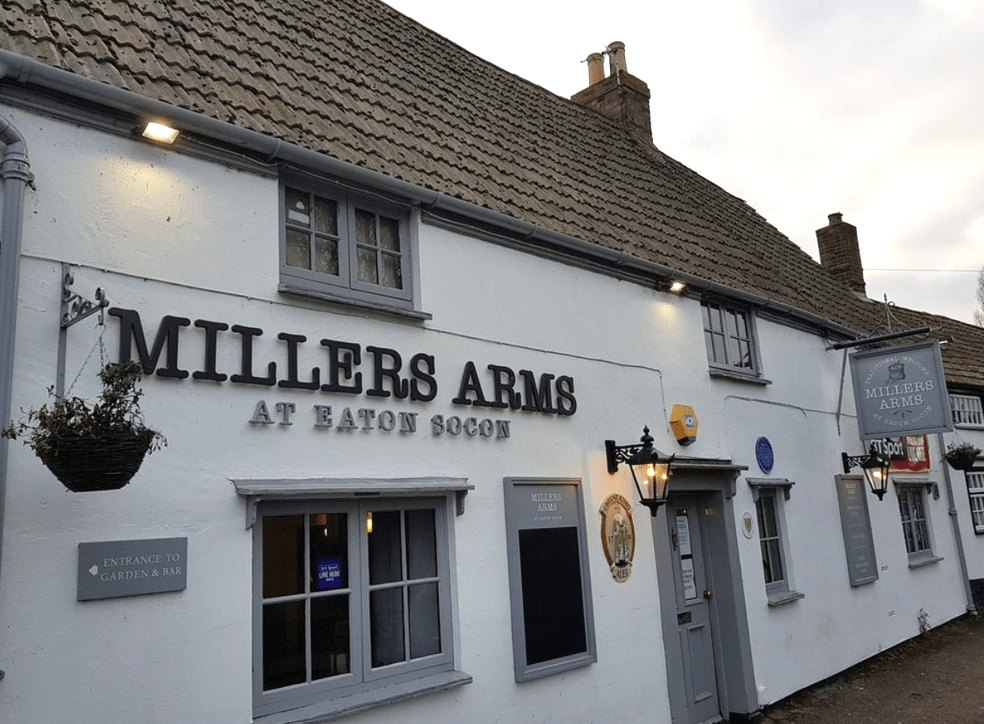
167, 234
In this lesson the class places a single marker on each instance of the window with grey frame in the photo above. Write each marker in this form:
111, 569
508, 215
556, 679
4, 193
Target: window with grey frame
772, 544
342, 246
967, 411
350, 597
915, 526
729, 337
975, 490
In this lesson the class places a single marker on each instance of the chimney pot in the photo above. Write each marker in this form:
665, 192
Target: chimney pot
596, 68
834, 218
616, 58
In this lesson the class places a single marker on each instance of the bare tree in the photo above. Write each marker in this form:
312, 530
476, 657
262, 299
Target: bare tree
979, 312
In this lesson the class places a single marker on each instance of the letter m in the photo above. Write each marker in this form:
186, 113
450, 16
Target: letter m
131, 330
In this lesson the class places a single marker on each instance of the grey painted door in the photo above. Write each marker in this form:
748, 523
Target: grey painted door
694, 594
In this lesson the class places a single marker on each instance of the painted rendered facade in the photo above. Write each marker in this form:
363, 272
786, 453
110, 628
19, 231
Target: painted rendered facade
164, 234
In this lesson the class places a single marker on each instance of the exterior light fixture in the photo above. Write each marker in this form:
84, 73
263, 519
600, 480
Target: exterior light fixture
875, 467
677, 287
650, 469
156, 131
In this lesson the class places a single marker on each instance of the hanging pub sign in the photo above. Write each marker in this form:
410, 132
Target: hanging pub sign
900, 391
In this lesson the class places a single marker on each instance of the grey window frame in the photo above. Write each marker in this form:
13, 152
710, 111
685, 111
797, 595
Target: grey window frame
767, 491
365, 687
347, 287
714, 320
975, 494
968, 412
914, 528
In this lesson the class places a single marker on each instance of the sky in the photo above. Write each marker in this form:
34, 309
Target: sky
802, 108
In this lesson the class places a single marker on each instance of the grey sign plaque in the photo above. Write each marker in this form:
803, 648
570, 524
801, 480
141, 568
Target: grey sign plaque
901, 391
111, 569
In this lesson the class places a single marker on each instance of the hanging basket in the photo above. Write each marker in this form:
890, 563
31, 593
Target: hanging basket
86, 464
962, 456
91, 445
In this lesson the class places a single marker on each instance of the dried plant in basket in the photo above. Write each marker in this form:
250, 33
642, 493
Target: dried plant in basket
92, 445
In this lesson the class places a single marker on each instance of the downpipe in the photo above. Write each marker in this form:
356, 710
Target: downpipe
15, 175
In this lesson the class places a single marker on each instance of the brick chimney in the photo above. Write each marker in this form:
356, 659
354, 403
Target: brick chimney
620, 96
839, 252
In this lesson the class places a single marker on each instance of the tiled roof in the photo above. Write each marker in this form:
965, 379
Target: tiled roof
356, 80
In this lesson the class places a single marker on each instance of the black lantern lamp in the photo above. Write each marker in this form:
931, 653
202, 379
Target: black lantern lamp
650, 469
875, 466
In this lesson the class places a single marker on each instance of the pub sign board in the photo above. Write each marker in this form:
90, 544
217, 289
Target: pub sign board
901, 391
112, 569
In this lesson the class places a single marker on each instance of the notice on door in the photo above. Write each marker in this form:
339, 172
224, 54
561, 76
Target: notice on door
111, 569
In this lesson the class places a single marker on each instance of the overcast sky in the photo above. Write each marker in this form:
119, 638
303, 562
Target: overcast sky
871, 108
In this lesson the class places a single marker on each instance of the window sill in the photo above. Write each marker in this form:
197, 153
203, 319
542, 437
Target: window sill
725, 374
924, 560
347, 705
394, 308
781, 598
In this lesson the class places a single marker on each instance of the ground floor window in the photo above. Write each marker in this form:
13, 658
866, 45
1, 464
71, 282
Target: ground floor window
915, 528
975, 488
769, 495
350, 597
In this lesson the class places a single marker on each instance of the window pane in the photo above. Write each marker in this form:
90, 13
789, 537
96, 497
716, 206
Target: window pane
392, 272
772, 561
718, 348
297, 207
298, 249
326, 256
766, 517
421, 544
389, 232
330, 653
328, 538
385, 551
325, 216
425, 620
365, 227
283, 645
367, 266
386, 625
283, 555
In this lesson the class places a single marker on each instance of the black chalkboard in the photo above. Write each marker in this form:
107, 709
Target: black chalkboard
553, 601
859, 546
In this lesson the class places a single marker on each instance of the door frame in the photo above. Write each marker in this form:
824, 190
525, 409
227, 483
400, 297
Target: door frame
715, 482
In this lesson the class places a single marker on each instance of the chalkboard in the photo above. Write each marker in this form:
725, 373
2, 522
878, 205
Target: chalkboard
550, 591
862, 567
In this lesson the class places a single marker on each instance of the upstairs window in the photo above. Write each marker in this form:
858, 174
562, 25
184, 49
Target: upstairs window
729, 336
967, 411
339, 246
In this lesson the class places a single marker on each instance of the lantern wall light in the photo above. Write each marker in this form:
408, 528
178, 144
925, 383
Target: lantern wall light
650, 469
875, 467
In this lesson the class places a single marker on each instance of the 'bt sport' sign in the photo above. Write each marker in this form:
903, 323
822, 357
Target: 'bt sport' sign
901, 391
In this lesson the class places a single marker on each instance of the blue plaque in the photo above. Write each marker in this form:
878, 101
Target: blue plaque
763, 454
329, 573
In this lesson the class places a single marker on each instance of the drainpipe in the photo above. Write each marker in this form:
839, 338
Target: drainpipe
15, 175
955, 522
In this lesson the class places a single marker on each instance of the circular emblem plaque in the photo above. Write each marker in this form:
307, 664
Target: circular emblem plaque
764, 455
618, 535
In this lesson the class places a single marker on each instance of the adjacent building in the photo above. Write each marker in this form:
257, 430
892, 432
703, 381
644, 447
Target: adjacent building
403, 319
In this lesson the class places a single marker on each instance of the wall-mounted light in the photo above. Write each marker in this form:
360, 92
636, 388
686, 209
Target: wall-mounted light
650, 469
677, 287
875, 467
160, 132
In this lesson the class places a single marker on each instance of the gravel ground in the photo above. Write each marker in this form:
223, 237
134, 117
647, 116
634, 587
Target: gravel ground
936, 678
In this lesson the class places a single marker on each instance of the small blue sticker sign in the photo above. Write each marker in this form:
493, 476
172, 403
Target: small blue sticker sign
764, 455
329, 573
